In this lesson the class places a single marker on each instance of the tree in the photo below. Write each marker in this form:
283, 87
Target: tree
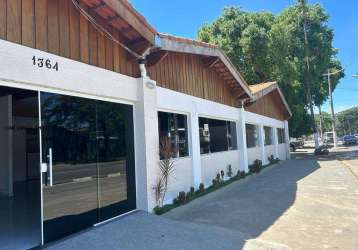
266, 47
347, 121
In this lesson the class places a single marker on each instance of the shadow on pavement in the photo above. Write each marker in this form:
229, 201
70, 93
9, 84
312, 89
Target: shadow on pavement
252, 205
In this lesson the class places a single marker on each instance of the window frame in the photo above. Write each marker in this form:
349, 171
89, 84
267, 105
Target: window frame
227, 124
188, 134
257, 140
271, 142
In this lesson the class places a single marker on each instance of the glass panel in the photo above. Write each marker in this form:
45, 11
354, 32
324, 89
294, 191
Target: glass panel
20, 188
268, 136
281, 136
218, 135
115, 159
174, 127
232, 136
70, 189
251, 135
204, 135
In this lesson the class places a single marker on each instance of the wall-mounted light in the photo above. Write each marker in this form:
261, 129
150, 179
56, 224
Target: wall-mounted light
150, 84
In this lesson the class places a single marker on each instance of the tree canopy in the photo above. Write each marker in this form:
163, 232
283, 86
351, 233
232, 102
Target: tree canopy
347, 122
266, 47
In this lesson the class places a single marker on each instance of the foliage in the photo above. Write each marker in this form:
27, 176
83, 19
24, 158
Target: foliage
222, 173
326, 122
266, 47
273, 160
256, 166
229, 171
347, 122
166, 170
201, 188
181, 197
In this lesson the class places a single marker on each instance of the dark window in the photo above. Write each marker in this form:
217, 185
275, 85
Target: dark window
217, 135
232, 136
252, 137
204, 135
268, 136
281, 136
174, 127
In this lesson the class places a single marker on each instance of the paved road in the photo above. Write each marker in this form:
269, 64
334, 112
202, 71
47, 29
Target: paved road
303, 203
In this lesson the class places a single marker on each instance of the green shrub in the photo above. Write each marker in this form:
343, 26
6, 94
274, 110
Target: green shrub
175, 201
218, 178
188, 197
229, 171
222, 173
215, 182
181, 197
192, 191
256, 167
201, 188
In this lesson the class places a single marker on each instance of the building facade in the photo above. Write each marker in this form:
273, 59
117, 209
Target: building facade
87, 94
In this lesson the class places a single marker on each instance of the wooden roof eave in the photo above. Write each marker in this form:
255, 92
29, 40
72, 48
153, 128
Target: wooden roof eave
266, 91
133, 18
168, 44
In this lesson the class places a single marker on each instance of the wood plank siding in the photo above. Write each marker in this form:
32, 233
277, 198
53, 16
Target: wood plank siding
269, 105
56, 26
186, 73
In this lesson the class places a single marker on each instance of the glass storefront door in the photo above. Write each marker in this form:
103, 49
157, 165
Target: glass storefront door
20, 185
87, 146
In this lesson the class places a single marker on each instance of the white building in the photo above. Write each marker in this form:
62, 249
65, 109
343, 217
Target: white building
81, 117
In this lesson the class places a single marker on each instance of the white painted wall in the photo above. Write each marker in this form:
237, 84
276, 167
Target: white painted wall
270, 150
79, 79
17, 70
212, 164
253, 154
182, 179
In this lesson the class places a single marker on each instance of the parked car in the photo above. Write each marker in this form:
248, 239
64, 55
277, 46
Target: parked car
350, 140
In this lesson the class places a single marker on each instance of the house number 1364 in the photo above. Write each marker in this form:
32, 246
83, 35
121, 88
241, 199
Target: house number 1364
44, 63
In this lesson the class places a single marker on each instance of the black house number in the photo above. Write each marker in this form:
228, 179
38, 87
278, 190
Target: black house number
44, 63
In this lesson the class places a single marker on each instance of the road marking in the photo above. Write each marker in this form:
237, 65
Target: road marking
82, 179
349, 166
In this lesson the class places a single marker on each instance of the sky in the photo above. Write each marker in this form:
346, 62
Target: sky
185, 17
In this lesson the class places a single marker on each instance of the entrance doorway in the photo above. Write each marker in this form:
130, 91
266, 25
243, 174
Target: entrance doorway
70, 173
88, 147
20, 188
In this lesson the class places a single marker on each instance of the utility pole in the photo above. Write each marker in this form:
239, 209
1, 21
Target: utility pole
332, 110
308, 76
320, 121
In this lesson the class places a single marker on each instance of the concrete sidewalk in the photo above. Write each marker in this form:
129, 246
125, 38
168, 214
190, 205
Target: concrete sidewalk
302, 203
141, 230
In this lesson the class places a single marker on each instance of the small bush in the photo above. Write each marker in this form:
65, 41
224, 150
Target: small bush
188, 197
215, 182
222, 173
256, 167
229, 171
242, 174
181, 197
201, 188
192, 191
218, 178
175, 201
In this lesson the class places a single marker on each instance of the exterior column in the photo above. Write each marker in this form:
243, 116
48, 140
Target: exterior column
262, 144
287, 141
275, 141
241, 138
195, 149
146, 143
